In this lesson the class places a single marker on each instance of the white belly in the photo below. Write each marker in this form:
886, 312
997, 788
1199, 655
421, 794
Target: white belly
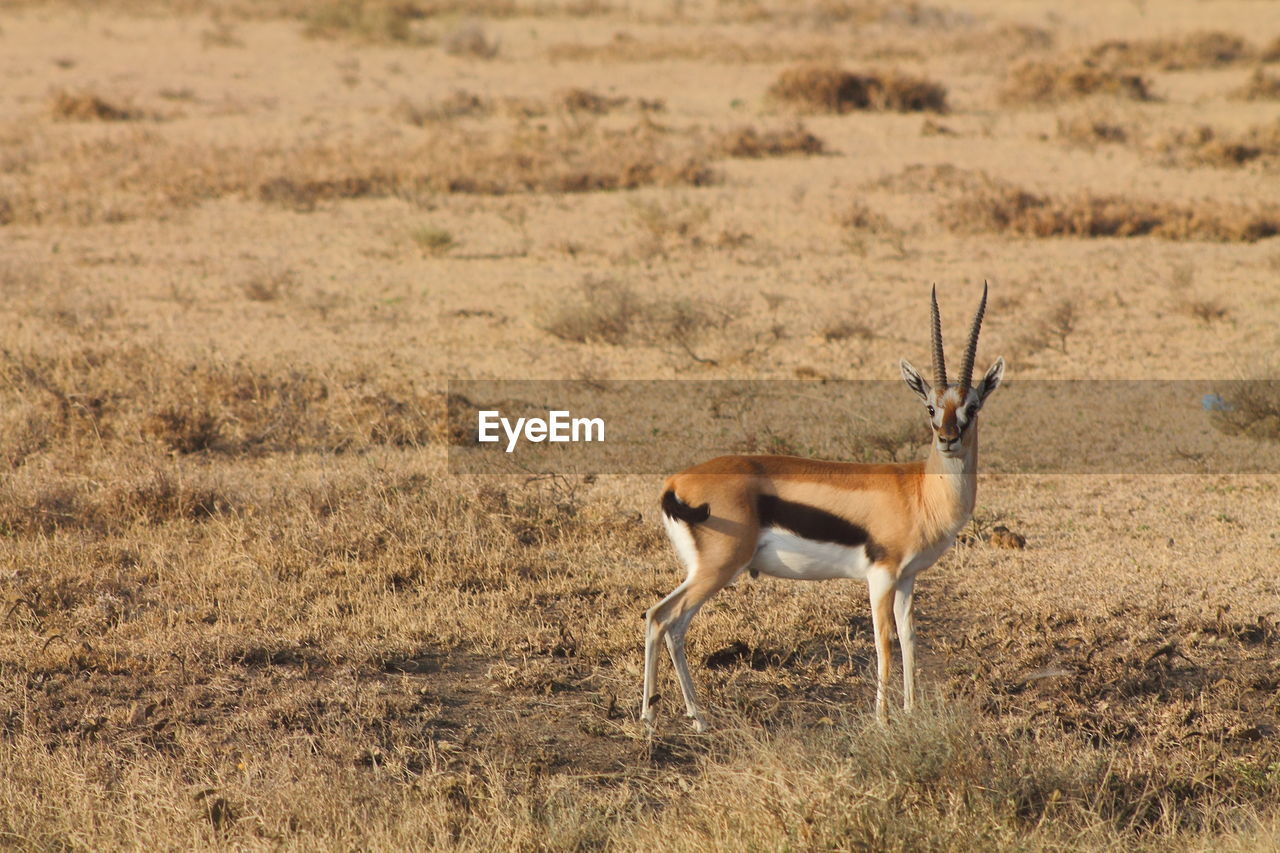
785, 555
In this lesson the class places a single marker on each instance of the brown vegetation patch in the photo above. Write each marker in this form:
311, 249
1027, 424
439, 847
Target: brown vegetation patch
464, 104
87, 106
1260, 86
627, 48
472, 41
1041, 81
827, 88
1204, 145
932, 177
612, 312
67, 402
747, 141
1250, 408
367, 20
144, 175
1204, 49
1002, 207
1091, 130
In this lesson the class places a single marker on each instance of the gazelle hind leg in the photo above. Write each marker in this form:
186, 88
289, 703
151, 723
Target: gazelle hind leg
902, 600
670, 620
880, 584
655, 628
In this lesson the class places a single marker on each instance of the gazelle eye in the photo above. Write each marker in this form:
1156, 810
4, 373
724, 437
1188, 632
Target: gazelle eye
930, 408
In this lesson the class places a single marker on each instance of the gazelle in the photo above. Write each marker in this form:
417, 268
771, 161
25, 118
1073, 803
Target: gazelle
807, 519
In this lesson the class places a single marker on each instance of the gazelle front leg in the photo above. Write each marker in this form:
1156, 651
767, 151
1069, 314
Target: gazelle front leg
880, 585
675, 646
902, 601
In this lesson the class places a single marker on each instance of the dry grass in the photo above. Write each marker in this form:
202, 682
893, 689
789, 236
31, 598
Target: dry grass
145, 175
87, 106
1204, 145
246, 604
1092, 129
1044, 81
1250, 408
367, 20
612, 312
1004, 208
470, 40
1202, 49
827, 88
625, 47
1260, 86
747, 141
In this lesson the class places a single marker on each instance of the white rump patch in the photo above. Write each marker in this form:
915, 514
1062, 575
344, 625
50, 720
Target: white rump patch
682, 537
782, 554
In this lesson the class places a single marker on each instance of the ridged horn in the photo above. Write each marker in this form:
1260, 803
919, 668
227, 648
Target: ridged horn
966, 374
939, 361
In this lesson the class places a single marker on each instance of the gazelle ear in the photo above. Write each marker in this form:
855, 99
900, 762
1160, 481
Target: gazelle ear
991, 381
914, 380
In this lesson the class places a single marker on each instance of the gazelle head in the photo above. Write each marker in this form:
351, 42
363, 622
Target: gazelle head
953, 409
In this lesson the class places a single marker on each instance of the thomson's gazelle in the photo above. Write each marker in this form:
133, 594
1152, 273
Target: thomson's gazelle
807, 519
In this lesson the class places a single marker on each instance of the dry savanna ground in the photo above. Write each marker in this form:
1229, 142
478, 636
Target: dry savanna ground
245, 604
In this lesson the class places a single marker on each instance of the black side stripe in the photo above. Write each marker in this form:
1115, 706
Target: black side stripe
816, 524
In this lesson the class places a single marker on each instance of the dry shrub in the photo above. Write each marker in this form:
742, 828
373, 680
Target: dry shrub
1001, 207
747, 141
827, 88
463, 104
627, 48
1271, 53
932, 177
270, 285
1204, 49
1204, 145
576, 100
1250, 408
470, 40
858, 216
1049, 330
87, 106
458, 104
1092, 130
609, 311
368, 20
1260, 86
1042, 81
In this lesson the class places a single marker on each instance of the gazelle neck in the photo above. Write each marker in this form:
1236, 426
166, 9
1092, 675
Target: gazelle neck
951, 484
